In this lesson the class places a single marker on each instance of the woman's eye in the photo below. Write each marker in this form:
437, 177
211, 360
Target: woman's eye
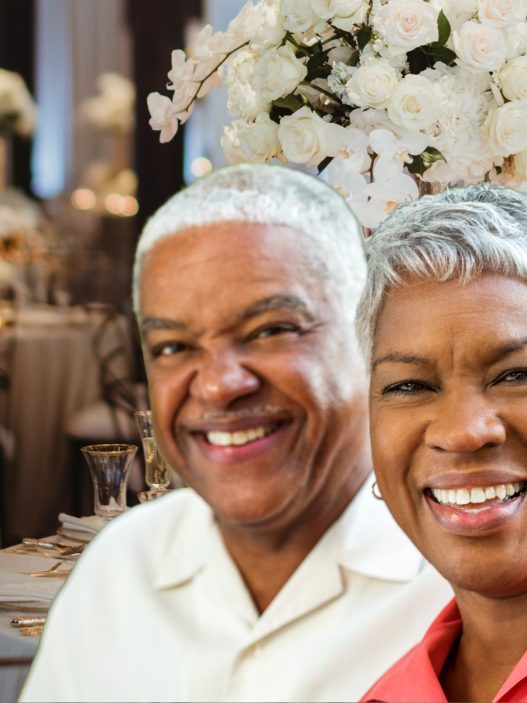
273, 330
512, 376
167, 349
406, 388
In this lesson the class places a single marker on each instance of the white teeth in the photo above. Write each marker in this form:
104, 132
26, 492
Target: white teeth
464, 496
501, 492
477, 495
239, 438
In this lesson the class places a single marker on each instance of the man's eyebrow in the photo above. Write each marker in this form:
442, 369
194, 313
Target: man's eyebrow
148, 324
399, 358
275, 302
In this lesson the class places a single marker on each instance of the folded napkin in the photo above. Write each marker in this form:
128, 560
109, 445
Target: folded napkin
82, 526
36, 591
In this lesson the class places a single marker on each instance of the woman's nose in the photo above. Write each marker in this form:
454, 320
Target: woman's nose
222, 379
465, 423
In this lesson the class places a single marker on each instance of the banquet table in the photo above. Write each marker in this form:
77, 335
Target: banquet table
53, 372
13, 644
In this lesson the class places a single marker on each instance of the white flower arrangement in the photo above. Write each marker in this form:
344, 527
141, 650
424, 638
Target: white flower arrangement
18, 112
112, 109
401, 91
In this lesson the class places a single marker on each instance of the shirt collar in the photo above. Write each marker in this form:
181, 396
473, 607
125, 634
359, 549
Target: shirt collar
372, 543
365, 539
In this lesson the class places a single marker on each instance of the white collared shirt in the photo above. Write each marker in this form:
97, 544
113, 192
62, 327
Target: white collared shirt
157, 610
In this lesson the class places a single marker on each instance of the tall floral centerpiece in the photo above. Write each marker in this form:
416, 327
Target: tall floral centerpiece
387, 94
18, 115
111, 112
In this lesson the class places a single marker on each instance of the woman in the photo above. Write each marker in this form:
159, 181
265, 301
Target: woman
444, 322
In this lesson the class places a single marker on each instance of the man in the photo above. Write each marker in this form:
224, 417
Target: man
285, 580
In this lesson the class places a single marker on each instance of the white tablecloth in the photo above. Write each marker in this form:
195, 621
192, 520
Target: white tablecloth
54, 373
12, 643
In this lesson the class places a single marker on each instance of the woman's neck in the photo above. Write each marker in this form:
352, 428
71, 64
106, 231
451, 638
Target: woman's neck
493, 640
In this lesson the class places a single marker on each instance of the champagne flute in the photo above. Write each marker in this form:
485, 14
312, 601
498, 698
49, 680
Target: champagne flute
157, 471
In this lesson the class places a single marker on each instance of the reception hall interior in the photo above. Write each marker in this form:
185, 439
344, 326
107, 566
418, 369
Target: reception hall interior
107, 109
79, 176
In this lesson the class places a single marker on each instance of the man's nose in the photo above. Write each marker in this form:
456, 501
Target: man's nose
464, 423
222, 379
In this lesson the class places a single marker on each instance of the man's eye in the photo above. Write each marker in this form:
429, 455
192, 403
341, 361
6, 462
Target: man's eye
512, 376
273, 330
167, 349
406, 388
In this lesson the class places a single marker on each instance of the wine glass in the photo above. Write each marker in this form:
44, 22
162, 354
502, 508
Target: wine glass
157, 471
109, 466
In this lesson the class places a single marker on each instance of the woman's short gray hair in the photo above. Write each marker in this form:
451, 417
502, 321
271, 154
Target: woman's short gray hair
269, 194
461, 233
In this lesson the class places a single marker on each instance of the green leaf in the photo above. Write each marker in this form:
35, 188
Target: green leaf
442, 53
424, 160
290, 102
444, 29
363, 35
317, 66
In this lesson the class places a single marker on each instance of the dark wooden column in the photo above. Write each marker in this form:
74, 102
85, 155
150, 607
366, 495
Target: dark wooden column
157, 28
17, 35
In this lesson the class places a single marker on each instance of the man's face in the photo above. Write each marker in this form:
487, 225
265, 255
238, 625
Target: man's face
257, 389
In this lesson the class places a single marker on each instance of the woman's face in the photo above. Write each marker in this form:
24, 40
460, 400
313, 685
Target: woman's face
448, 405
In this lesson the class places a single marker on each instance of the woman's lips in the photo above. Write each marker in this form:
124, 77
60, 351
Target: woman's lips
483, 514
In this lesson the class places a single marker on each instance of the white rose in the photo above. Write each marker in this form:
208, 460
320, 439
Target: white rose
277, 73
308, 139
344, 14
407, 24
480, 46
251, 141
505, 130
372, 85
413, 104
502, 12
298, 15
512, 79
242, 100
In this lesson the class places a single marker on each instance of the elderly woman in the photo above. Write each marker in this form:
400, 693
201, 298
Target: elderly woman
444, 322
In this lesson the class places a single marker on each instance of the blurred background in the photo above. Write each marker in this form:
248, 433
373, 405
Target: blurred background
80, 172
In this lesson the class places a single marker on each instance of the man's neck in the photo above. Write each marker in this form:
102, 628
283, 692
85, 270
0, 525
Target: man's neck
267, 559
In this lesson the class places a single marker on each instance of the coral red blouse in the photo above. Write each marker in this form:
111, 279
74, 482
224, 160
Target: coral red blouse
415, 677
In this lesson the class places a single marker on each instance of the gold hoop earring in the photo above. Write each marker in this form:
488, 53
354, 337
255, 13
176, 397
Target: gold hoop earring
376, 491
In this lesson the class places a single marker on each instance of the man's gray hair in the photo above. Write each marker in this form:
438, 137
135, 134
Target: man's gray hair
275, 195
461, 233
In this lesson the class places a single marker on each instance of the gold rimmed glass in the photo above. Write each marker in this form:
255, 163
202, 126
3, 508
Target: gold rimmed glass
109, 466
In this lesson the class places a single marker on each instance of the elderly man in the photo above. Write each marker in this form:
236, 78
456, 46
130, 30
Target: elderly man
277, 576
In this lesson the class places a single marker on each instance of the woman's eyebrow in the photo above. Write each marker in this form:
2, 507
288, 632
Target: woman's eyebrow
400, 358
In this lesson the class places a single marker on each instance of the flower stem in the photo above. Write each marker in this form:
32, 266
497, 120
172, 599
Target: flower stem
323, 91
211, 73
